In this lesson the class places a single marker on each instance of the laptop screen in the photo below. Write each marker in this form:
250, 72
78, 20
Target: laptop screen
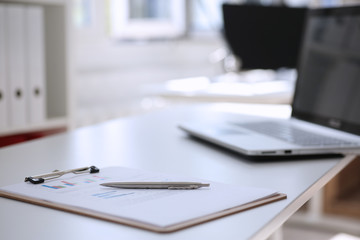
328, 86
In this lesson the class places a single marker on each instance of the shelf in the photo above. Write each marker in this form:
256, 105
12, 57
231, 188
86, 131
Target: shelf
326, 222
337, 206
40, 2
27, 136
55, 123
58, 68
342, 194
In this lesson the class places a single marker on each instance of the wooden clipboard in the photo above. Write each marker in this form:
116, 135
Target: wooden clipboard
144, 225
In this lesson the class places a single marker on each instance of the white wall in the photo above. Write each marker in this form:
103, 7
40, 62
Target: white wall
110, 76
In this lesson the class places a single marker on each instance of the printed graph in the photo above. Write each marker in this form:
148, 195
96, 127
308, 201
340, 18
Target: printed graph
53, 187
110, 194
94, 178
68, 183
88, 180
65, 184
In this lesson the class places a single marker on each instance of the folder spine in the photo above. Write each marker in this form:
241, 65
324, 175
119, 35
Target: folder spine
3, 72
35, 64
15, 31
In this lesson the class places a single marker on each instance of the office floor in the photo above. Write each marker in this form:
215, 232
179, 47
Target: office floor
109, 82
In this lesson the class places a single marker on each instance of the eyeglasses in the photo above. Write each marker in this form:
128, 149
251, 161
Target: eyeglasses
56, 173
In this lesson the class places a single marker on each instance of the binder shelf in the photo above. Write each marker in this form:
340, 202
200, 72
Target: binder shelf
34, 66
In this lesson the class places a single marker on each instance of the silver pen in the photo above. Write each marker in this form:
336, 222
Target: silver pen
156, 185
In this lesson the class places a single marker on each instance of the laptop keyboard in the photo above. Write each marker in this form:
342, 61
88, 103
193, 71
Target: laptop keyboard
293, 134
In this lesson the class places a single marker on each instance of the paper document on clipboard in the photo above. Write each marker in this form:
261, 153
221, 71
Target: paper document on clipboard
156, 210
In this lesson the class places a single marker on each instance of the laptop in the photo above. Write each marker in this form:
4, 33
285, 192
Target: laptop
325, 116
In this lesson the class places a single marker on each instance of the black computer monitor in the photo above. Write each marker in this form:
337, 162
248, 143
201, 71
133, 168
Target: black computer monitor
264, 37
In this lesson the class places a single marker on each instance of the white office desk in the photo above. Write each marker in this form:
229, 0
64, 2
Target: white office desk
153, 142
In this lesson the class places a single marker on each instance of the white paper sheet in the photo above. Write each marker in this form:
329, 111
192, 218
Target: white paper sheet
157, 207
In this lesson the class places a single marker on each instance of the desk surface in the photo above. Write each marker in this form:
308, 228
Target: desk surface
153, 142
244, 87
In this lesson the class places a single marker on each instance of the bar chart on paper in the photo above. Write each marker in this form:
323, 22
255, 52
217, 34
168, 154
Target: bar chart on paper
74, 182
111, 194
94, 178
